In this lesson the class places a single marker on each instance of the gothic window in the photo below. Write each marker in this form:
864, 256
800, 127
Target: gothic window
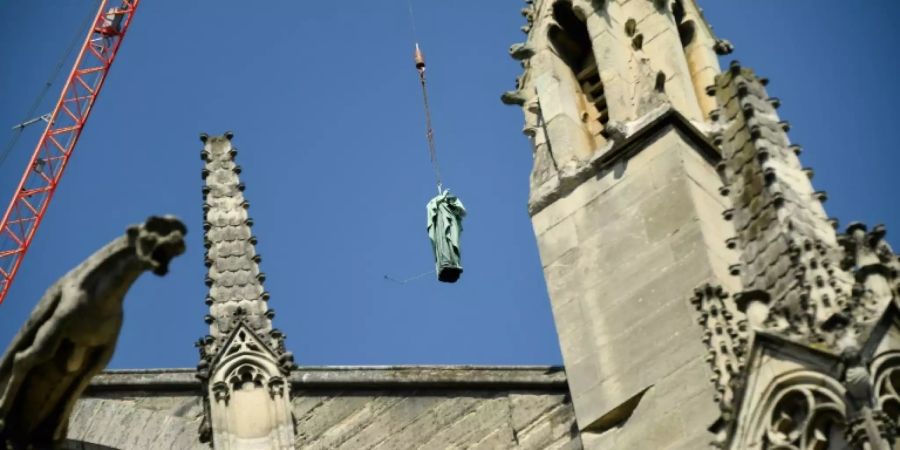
804, 417
572, 43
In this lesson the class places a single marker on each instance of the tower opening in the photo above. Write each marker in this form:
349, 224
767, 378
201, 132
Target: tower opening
570, 39
686, 28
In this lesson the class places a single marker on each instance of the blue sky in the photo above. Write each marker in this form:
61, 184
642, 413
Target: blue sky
326, 112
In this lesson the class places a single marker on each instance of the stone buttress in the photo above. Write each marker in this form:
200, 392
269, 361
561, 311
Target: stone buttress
626, 208
244, 367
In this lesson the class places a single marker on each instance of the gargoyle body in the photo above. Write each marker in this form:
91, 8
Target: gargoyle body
72, 333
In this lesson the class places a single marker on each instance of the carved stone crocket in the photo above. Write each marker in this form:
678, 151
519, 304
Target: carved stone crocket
72, 333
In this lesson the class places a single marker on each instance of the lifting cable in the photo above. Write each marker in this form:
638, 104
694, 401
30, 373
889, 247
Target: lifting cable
429, 132
30, 117
445, 211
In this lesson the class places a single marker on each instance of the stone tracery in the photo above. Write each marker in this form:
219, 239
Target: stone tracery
805, 417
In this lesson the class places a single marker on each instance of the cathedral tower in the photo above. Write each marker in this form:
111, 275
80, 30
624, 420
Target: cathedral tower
666, 194
626, 208
244, 366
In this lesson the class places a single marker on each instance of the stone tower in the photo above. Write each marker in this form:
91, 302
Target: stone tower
664, 194
244, 366
626, 208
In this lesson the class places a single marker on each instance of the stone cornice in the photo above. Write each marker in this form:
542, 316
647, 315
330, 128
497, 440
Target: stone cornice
352, 377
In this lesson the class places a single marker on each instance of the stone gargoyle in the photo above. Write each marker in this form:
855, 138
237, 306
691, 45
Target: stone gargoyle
72, 333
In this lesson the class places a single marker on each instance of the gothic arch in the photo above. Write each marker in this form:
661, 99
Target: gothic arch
799, 410
571, 42
886, 383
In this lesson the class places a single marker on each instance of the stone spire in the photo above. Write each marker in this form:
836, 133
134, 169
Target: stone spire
790, 256
244, 364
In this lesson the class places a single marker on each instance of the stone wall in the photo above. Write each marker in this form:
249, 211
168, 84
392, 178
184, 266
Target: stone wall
347, 407
623, 250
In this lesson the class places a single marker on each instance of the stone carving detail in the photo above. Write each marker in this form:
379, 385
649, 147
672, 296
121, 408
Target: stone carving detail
803, 283
243, 356
805, 417
874, 265
246, 376
72, 333
725, 333
809, 409
236, 293
521, 52
221, 392
277, 387
723, 47
885, 385
868, 427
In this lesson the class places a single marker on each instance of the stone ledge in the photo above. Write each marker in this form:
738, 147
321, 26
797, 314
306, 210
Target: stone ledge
392, 377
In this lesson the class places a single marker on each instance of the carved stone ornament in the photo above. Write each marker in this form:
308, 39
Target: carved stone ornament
72, 333
276, 387
221, 393
725, 334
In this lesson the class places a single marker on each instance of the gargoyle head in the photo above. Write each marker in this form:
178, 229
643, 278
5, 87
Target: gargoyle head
157, 241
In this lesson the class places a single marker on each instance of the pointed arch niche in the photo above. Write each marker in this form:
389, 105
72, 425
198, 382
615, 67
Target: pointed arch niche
249, 398
571, 43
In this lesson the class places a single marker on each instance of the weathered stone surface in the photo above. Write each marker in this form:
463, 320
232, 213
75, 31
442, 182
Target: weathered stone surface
619, 282
347, 407
72, 333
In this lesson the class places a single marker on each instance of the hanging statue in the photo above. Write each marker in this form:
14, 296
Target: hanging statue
445, 214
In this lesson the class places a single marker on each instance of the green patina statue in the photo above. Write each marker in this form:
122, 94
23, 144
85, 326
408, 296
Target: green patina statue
445, 214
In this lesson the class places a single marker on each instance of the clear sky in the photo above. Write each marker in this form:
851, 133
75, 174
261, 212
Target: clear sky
324, 103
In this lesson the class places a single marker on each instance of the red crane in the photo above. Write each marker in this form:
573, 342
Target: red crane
64, 127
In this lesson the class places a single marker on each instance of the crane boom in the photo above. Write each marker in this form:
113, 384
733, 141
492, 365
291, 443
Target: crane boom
64, 127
